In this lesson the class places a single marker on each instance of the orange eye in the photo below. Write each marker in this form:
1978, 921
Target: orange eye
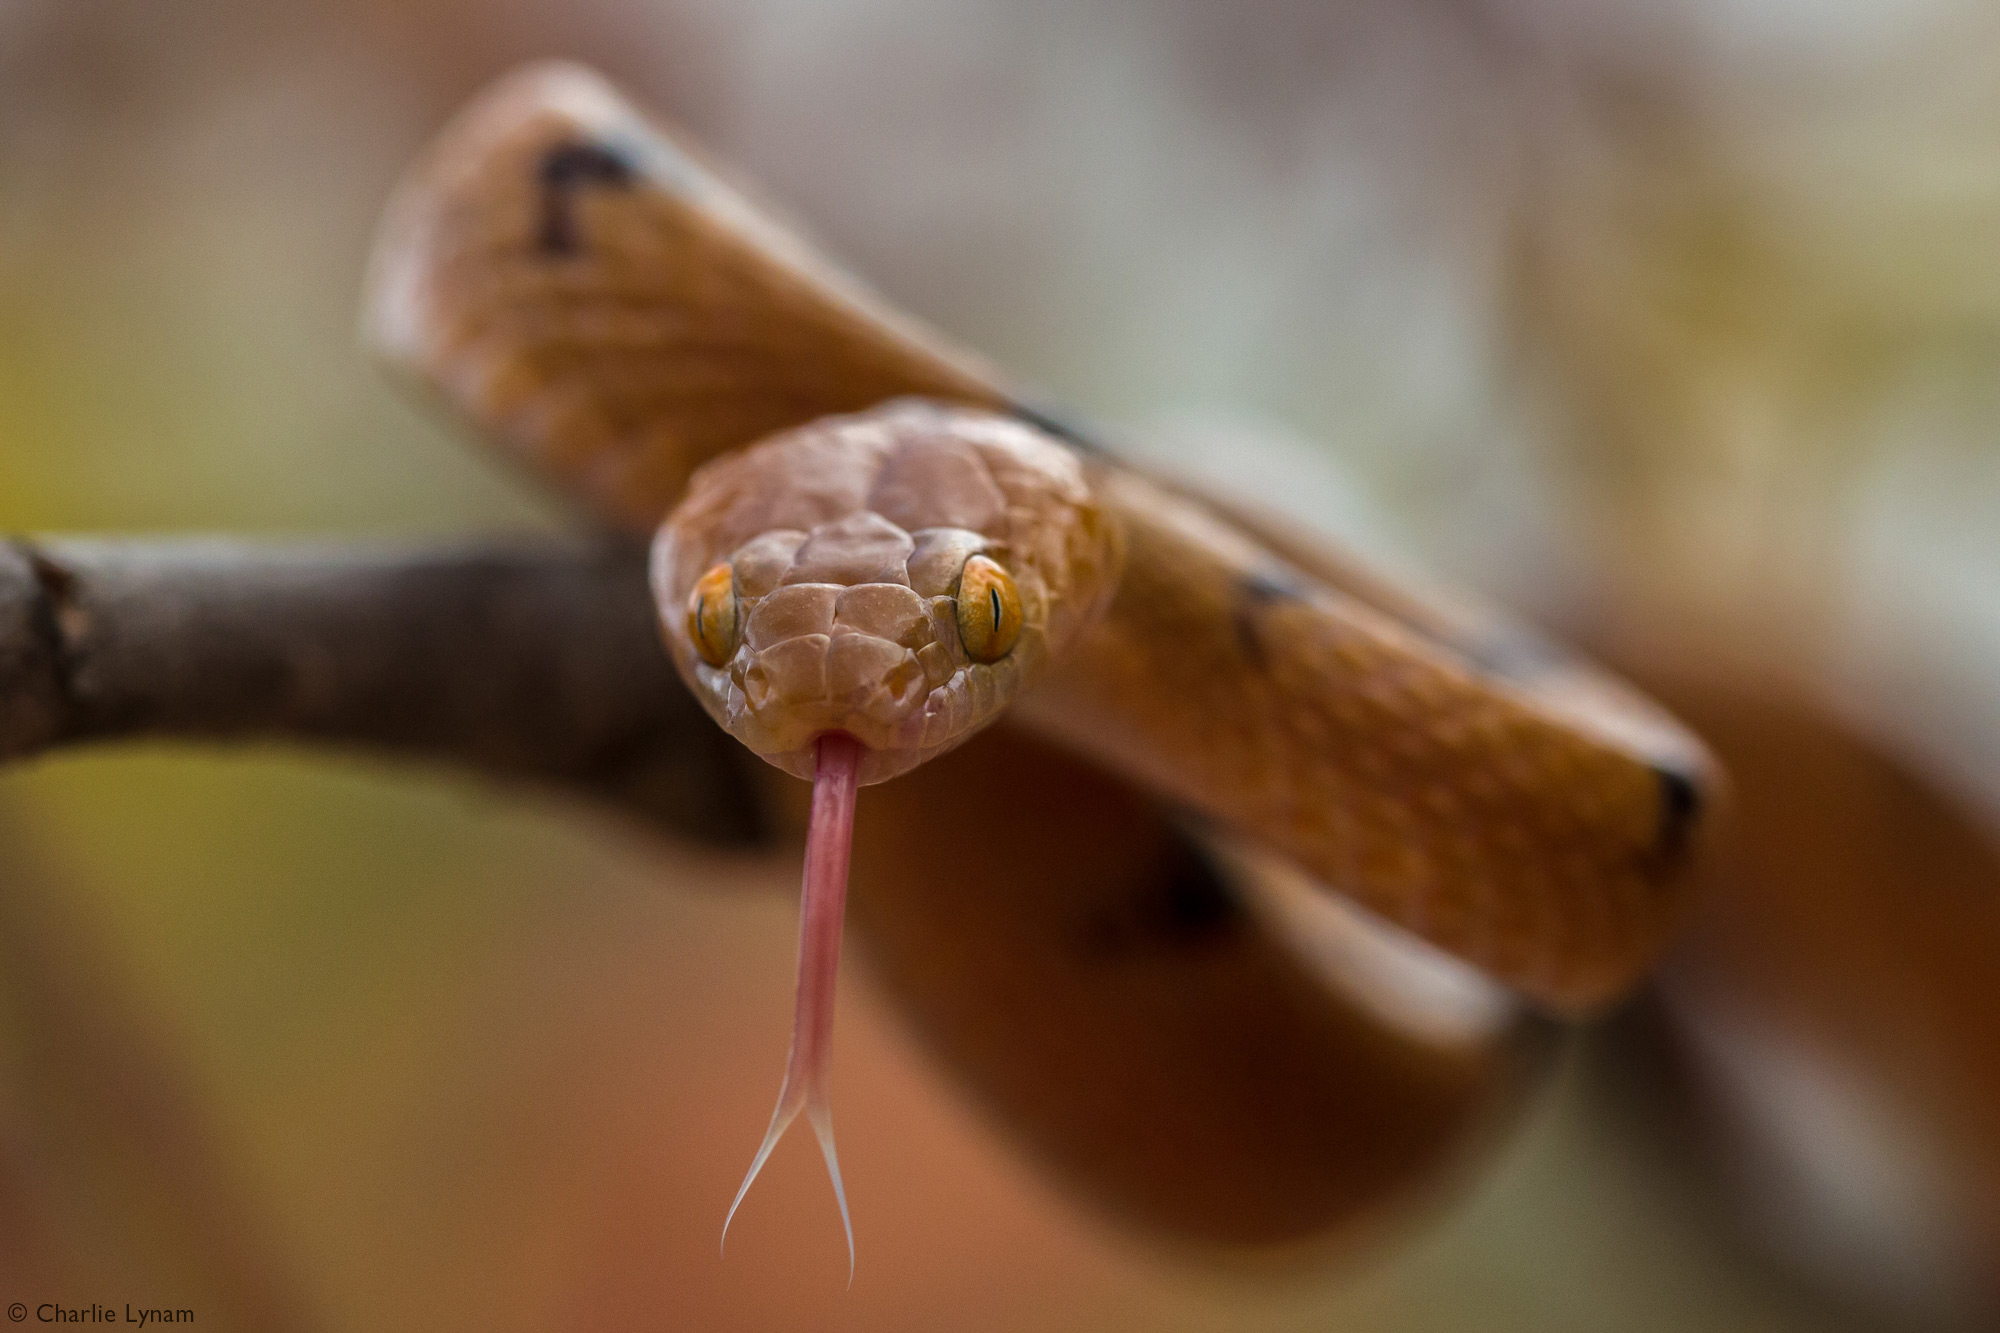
712, 615
989, 610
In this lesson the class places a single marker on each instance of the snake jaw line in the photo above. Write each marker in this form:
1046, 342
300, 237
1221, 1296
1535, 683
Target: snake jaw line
823, 901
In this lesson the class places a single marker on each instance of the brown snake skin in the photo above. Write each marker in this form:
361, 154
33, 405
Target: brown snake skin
583, 289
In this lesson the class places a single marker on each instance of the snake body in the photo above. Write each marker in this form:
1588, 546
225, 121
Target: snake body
591, 295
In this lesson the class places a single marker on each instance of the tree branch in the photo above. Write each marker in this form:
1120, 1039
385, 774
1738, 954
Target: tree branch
535, 661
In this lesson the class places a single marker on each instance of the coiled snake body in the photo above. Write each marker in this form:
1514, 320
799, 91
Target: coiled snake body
872, 549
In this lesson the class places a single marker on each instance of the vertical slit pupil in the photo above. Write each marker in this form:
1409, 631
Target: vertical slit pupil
993, 597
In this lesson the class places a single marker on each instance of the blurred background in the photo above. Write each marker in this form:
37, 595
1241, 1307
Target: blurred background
1674, 324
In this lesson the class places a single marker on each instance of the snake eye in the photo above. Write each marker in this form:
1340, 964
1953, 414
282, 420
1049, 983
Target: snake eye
712, 615
989, 610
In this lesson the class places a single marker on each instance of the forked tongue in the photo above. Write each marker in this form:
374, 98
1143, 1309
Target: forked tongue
836, 774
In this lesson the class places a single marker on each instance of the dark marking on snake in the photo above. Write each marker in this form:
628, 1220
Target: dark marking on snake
1052, 421
1254, 593
1680, 808
566, 169
1193, 904
1185, 903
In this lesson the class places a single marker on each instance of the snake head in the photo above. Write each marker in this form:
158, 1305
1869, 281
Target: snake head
900, 575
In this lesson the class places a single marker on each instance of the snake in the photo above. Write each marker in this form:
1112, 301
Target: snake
868, 545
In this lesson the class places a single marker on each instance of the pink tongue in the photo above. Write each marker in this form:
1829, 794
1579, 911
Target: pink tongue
823, 899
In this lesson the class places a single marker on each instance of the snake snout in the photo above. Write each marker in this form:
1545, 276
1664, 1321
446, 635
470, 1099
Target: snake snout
820, 657
845, 678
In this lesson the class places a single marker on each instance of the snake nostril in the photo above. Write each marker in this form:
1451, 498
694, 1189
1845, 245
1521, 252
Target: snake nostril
757, 688
909, 682
903, 688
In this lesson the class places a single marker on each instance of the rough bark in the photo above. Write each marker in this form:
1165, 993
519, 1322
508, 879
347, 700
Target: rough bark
523, 660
